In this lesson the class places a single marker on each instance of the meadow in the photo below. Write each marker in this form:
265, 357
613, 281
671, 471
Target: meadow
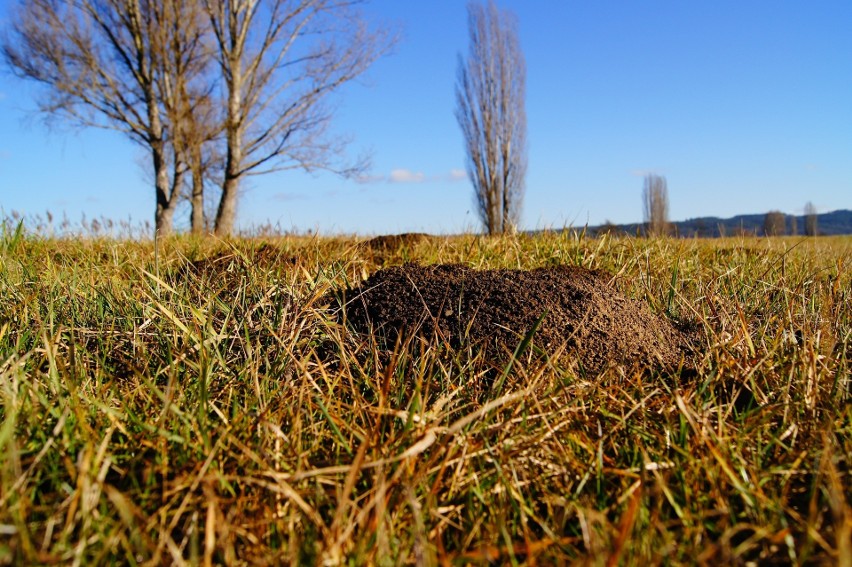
193, 403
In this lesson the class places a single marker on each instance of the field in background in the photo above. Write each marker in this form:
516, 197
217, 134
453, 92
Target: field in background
195, 405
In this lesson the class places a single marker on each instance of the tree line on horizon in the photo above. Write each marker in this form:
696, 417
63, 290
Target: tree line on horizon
773, 223
656, 223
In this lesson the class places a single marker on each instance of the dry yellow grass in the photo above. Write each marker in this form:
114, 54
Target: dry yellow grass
194, 406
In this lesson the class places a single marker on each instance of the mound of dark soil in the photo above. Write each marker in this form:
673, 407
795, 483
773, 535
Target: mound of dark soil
393, 242
495, 308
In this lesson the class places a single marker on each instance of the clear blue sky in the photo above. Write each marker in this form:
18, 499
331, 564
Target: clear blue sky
745, 106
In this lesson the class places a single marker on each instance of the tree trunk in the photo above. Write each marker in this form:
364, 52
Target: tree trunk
163, 221
198, 225
197, 202
165, 211
227, 213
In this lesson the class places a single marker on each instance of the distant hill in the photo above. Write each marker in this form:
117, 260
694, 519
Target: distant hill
835, 222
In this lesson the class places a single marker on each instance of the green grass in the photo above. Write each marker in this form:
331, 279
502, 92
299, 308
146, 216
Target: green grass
152, 414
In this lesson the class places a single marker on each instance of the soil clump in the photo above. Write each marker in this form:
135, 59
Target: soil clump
494, 309
389, 243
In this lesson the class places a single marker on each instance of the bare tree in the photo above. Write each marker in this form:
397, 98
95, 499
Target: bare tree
655, 202
774, 223
99, 61
490, 109
810, 219
280, 60
185, 88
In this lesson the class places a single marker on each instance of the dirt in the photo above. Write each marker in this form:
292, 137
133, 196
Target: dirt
390, 243
495, 309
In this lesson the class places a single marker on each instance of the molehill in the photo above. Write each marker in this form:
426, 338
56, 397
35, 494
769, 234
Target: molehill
494, 309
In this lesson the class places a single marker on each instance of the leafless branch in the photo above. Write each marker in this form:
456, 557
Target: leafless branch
281, 61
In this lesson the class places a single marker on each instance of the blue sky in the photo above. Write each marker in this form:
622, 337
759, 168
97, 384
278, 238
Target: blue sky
743, 106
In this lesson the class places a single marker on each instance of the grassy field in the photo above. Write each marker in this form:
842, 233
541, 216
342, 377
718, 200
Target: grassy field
196, 405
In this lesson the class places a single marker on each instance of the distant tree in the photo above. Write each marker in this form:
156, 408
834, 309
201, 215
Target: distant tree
810, 219
774, 224
794, 225
280, 61
608, 227
490, 109
655, 201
